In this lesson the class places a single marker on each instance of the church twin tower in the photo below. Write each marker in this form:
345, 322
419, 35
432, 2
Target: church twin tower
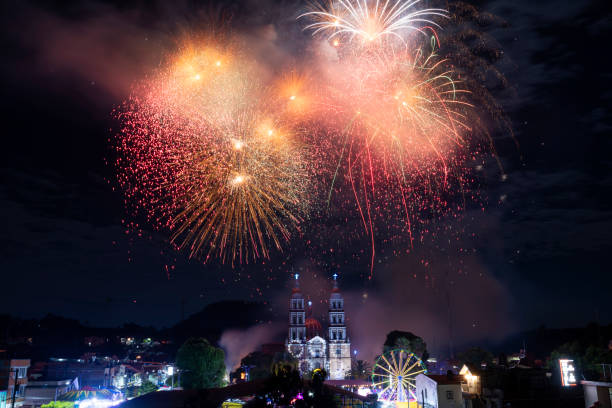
305, 341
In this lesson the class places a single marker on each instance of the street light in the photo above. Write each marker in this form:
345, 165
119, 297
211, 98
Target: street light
170, 371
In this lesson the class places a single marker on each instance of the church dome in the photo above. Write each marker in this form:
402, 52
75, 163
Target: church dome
313, 327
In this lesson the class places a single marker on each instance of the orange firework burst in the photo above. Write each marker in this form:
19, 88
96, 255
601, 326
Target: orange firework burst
404, 128
223, 152
201, 158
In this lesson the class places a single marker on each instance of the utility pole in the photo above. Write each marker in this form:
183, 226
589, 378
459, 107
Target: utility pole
448, 305
14, 385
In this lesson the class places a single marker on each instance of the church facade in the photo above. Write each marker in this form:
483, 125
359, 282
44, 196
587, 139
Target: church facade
309, 344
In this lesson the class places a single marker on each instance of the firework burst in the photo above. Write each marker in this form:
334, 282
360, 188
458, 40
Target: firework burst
224, 154
201, 158
370, 20
402, 135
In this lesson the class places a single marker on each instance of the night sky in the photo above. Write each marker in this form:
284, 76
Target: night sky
539, 252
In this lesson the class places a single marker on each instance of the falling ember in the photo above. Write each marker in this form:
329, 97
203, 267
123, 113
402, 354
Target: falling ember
185, 149
231, 162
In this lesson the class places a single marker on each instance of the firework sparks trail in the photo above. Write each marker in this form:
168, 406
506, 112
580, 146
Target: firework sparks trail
227, 163
201, 159
408, 127
370, 20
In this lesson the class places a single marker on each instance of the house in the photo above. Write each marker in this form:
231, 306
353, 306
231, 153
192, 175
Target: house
439, 391
482, 387
13, 381
597, 392
472, 380
38, 393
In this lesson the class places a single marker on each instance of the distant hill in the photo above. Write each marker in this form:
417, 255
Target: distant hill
217, 317
56, 336
540, 342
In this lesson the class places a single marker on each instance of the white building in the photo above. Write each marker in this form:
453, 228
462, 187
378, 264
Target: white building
597, 392
306, 342
439, 391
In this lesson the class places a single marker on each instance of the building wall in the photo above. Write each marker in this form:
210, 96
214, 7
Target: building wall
430, 394
427, 391
593, 393
339, 360
450, 390
19, 369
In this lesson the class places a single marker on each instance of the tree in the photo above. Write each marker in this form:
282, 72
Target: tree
147, 387
201, 364
58, 404
321, 396
259, 365
587, 359
282, 360
475, 356
360, 370
408, 341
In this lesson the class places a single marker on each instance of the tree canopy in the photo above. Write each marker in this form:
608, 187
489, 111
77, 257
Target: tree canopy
202, 365
587, 358
360, 370
475, 356
408, 341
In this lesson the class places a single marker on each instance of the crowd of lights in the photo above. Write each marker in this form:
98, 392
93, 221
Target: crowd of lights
98, 403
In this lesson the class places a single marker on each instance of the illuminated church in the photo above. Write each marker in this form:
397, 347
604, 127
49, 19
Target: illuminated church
306, 340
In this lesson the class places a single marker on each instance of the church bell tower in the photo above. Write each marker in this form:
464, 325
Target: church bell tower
297, 327
339, 344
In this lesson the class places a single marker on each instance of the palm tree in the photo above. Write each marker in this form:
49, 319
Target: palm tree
360, 370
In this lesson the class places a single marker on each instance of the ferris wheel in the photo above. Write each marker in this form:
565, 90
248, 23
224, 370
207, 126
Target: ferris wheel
394, 375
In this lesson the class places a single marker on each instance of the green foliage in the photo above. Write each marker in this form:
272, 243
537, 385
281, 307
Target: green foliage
145, 388
58, 404
202, 365
284, 383
587, 359
360, 370
475, 356
407, 341
173, 380
283, 361
259, 365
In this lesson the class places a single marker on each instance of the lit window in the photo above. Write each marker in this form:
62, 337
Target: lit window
22, 372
